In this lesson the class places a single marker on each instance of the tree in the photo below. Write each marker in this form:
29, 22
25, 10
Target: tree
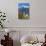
2, 19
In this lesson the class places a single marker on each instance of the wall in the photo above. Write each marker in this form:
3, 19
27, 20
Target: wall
38, 15
37, 21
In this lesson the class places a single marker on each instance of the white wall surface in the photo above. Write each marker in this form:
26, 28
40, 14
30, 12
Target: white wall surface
37, 22
38, 14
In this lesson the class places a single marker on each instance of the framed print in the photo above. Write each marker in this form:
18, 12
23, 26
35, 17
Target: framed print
23, 11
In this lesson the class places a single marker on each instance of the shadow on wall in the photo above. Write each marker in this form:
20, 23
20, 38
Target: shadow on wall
15, 37
16, 43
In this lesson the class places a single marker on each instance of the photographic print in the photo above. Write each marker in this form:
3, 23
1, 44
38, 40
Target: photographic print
23, 11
